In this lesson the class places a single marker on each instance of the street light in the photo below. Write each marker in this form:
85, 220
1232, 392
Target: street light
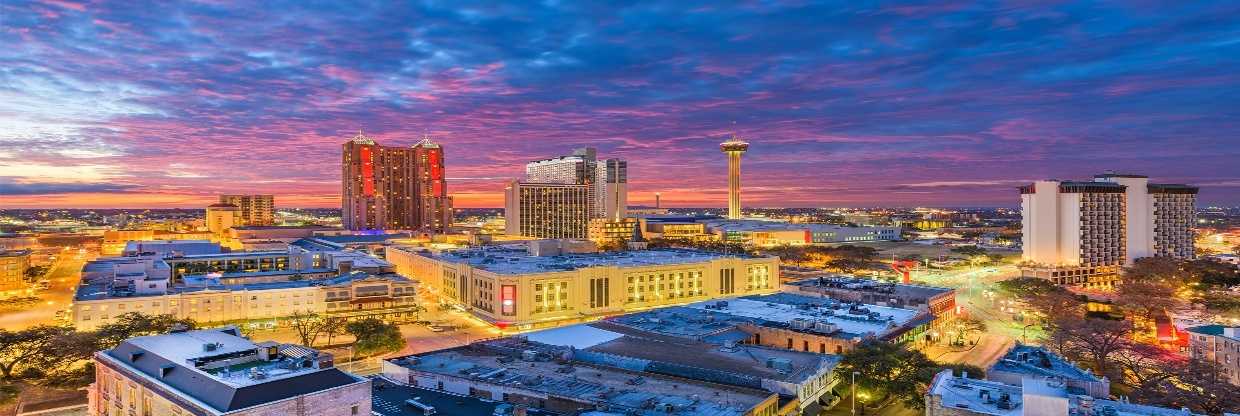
854, 392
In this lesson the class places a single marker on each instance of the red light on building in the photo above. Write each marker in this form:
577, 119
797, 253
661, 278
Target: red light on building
508, 299
368, 172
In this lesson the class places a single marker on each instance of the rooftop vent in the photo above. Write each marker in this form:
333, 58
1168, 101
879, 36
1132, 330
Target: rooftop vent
211, 346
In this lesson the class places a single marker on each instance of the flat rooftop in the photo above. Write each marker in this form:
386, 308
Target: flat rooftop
987, 397
857, 320
870, 285
221, 369
495, 363
104, 289
1037, 361
514, 260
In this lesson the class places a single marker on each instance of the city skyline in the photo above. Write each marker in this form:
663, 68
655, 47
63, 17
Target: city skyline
137, 107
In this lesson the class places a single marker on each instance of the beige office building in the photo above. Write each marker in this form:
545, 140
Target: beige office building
255, 209
538, 286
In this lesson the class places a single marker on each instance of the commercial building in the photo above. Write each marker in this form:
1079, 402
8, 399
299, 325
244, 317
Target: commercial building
938, 301
1219, 344
115, 241
1027, 361
951, 395
776, 233
252, 209
221, 217
547, 210
1083, 233
782, 320
606, 231
394, 188
13, 265
606, 180
218, 372
548, 283
245, 297
618, 369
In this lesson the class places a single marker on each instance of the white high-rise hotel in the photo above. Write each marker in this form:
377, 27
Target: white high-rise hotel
1083, 233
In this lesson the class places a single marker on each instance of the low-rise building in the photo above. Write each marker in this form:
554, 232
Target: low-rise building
951, 395
775, 233
613, 368
608, 230
1027, 361
939, 301
526, 287
13, 265
1219, 344
782, 320
217, 372
209, 299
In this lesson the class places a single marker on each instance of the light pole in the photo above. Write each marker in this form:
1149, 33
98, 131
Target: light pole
854, 392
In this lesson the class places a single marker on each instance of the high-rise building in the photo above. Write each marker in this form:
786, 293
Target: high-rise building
734, 148
394, 188
547, 210
254, 209
612, 195
606, 180
1085, 232
218, 372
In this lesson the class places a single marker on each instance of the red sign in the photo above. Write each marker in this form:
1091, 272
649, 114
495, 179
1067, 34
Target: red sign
508, 299
368, 172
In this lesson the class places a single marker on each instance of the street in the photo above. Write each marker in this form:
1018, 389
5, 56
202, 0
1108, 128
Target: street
64, 275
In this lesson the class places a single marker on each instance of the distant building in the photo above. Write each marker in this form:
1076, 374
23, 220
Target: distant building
218, 372
1026, 361
547, 210
222, 217
394, 188
618, 369
115, 241
1219, 344
531, 286
605, 230
13, 265
951, 395
253, 209
606, 180
775, 233
1083, 233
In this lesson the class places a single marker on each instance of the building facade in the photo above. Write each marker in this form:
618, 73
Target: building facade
218, 372
253, 209
13, 265
1219, 344
1083, 233
510, 287
222, 217
394, 188
608, 231
209, 300
547, 210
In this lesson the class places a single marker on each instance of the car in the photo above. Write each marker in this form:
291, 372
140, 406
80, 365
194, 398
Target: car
434, 328
417, 404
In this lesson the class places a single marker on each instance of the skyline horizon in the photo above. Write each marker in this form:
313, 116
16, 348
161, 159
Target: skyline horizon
111, 103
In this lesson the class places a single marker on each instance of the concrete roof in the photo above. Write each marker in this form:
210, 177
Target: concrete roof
513, 260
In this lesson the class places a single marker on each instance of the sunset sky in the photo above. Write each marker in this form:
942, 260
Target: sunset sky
125, 104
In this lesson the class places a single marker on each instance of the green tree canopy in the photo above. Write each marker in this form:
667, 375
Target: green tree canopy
375, 336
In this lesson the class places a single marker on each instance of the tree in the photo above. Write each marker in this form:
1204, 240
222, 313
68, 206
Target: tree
135, 324
28, 348
333, 327
375, 336
970, 251
35, 272
1093, 341
891, 370
969, 325
308, 326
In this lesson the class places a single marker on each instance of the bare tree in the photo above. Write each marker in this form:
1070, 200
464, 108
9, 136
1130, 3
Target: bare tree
308, 326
